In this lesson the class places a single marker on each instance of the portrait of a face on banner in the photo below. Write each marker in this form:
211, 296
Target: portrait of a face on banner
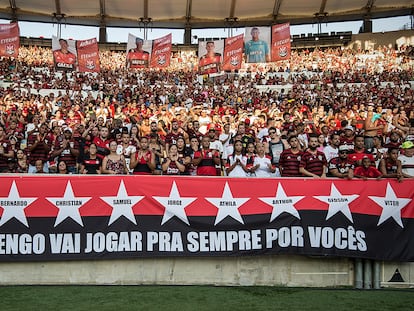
138, 52
257, 42
210, 55
64, 53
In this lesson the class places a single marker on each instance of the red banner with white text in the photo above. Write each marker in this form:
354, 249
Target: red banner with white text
88, 55
9, 40
280, 42
233, 53
161, 52
101, 217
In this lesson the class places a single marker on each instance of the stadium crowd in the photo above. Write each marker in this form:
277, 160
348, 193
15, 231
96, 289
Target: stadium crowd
328, 112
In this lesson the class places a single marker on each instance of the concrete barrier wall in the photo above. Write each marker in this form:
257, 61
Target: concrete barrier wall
244, 271
285, 270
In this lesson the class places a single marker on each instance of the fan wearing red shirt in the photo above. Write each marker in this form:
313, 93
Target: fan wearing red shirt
367, 170
206, 159
359, 152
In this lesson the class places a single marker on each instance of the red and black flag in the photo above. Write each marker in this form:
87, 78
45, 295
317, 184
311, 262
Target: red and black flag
9, 40
88, 55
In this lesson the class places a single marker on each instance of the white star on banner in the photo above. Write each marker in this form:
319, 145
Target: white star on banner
174, 205
282, 203
338, 203
68, 206
391, 206
122, 204
227, 205
14, 205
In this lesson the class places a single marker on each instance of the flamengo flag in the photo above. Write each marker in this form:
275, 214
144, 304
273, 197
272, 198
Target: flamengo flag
64, 54
9, 40
138, 52
233, 52
280, 42
88, 55
161, 52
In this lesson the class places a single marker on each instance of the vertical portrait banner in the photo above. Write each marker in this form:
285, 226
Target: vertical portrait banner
257, 44
9, 40
280, 42
161, 52
138, 52
210, 56
64, 54
88, 55
233, 53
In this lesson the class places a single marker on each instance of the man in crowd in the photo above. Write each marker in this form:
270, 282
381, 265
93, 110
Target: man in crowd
290, 159
66, 149
313, 162
407, 159
341, 166
360, 152
6, 151
206, 159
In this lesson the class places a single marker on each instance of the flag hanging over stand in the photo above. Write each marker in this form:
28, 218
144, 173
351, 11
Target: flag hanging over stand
9, 40
88, 55
280, 42
161, 52
233, 53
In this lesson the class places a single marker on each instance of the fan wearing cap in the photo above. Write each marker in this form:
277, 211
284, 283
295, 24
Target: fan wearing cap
407, 159
348, 137
341, 166
66, 148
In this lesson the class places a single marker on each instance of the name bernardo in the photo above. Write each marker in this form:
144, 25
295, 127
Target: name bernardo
13, 203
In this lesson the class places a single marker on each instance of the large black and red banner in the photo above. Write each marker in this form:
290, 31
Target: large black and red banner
101, 217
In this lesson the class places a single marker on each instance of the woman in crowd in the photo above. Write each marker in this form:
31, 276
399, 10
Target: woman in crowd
143, 160
262, 166
21, 162
236, 162
114, 163
62, 168
173, 164
194, 147
250, 156
91, 164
